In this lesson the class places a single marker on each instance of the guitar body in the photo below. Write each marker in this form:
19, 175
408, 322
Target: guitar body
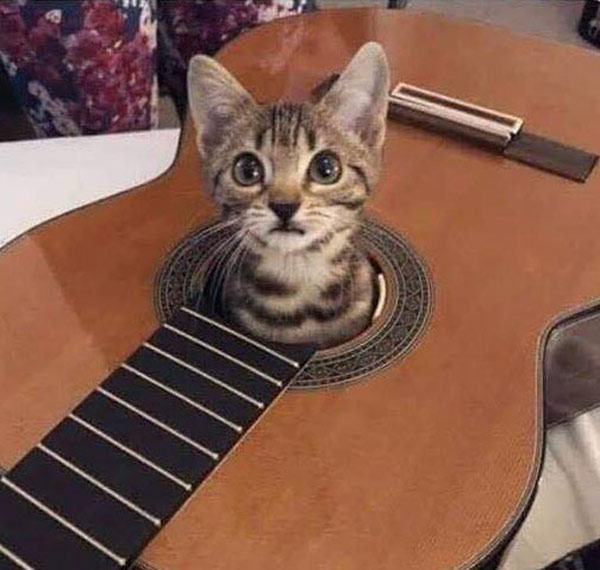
428, 463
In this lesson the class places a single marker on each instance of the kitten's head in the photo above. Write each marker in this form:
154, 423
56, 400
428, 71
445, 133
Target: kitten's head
292, 175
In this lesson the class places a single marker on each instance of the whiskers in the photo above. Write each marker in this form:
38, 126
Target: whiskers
224, 263
257, 221
331, 220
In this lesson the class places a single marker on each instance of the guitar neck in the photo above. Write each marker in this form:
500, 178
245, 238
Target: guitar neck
104, 481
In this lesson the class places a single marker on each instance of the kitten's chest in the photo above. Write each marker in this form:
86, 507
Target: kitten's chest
287, 285
307, 274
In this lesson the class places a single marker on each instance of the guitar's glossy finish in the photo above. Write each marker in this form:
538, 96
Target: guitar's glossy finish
430, 463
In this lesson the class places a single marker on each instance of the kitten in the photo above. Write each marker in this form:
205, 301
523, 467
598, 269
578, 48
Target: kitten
292, 178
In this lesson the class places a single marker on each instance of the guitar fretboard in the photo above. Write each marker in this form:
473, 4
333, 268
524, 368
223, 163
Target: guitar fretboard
104, 481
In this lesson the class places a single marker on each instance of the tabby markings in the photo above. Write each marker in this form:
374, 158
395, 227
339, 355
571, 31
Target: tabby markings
361, 174
267, 286
295, 318
321, 242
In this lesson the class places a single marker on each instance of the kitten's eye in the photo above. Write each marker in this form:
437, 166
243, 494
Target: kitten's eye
325, 168
247, 169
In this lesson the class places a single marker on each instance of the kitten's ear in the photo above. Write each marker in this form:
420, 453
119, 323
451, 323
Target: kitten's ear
359, 98
215, 98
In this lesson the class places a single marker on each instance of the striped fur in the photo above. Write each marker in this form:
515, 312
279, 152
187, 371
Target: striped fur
307, 279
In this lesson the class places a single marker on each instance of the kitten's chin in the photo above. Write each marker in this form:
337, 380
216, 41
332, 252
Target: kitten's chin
288, 242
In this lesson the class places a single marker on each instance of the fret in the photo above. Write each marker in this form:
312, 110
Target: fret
203, 374
135, 508
145, 438
246, 339
100, 484
68, 526
136, 481
43, 542
183, 398
224, 354
199, 428
7, 557
186, 382
234, 376
131, 452
82, 504
214, 456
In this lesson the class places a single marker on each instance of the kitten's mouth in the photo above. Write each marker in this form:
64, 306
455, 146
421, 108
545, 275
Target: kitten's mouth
287, 230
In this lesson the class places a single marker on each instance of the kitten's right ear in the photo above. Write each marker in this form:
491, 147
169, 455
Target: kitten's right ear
215, 98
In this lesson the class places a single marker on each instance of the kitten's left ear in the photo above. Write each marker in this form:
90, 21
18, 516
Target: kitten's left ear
359, 98
216, 99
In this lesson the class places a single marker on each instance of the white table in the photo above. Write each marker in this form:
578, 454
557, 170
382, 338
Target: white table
41, 179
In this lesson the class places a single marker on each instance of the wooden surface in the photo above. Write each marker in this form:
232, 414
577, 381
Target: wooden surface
426, 465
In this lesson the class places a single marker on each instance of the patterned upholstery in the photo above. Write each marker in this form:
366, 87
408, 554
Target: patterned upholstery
87, 67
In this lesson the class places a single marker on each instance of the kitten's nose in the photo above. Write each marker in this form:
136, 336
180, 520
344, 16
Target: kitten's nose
284, 210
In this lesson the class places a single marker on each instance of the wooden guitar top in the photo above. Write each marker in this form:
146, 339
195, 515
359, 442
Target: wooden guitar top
427, 464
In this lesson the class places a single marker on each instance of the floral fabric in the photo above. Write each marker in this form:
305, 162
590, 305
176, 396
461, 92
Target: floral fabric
81, 67
90, 66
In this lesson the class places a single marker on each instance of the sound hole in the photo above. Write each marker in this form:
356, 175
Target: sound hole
398, 323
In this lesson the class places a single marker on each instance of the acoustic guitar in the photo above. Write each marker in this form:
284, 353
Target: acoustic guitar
416, 445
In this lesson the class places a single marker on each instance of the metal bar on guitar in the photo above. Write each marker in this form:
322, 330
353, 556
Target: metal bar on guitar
233, 359
98, 432
183, 398
14, 558
209, 377
501, 132
495, 120
64, 522
214, 456
84, 475
454, 116
241, 336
